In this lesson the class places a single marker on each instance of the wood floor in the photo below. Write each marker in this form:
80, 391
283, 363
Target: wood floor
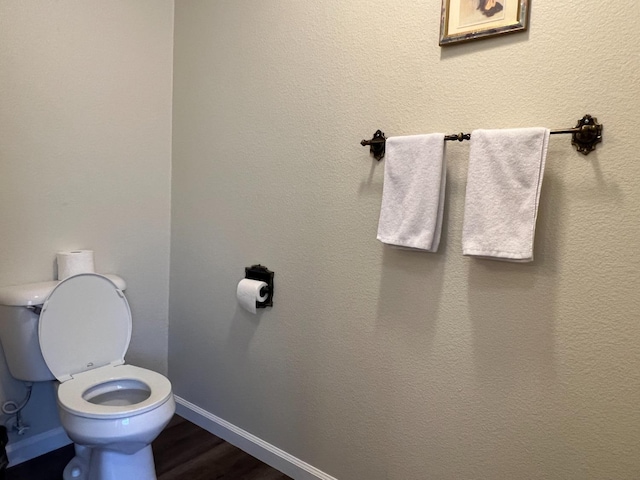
182, 451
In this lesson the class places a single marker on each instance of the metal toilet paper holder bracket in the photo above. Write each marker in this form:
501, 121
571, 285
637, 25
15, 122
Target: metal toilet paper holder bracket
262, 274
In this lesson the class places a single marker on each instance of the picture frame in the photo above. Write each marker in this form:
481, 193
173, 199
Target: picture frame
466, 20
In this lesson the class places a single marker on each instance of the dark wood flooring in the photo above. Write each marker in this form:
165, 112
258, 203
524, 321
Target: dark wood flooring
182, 451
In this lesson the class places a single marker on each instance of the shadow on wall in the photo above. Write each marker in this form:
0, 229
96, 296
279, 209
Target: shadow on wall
512, 307
410, 291
40, 413
411, 285
10, 388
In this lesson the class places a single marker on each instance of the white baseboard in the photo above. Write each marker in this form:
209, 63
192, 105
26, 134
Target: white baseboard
263, 451
32, 447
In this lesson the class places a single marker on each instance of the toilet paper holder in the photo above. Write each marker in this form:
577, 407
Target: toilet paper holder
263, 274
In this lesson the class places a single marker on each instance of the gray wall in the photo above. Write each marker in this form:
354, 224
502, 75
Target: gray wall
376, 363
85, 156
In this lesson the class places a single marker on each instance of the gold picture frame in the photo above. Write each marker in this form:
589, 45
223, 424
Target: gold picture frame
465, 20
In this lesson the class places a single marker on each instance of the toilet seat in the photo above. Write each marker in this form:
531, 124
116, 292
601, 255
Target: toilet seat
71, 392
84, 333
85, 323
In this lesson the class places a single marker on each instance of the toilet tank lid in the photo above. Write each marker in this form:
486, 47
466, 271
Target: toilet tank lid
33, 294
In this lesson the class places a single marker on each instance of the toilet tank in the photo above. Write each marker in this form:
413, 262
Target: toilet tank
19, 338
19, 317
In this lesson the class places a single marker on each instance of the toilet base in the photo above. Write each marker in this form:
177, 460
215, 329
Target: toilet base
100, 464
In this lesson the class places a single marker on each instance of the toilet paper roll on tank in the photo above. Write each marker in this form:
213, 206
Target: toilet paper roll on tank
250, 292
73, 262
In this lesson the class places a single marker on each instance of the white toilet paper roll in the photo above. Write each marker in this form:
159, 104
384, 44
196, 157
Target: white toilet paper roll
248, 293
74, 262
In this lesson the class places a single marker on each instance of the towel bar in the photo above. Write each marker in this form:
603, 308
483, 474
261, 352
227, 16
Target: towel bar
584, 136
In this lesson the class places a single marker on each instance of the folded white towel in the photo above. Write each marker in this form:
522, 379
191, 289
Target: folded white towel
413, 192
503, 190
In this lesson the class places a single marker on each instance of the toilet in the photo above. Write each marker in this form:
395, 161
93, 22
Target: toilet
110, 410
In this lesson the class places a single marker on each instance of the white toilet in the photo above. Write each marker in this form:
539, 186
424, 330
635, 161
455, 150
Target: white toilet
110, 410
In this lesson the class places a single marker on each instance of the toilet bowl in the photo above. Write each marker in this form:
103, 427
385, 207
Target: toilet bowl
110, 410
113, 414
115, 407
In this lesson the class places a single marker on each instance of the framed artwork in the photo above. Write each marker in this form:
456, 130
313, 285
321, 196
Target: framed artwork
464, 20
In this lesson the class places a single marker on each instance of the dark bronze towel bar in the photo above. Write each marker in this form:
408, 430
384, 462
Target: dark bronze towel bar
584, 136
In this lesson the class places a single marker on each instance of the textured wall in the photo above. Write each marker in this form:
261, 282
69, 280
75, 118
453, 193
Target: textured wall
85, 142
375, 363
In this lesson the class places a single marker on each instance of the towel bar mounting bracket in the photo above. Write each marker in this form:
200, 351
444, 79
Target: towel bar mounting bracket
586, 135
377, 143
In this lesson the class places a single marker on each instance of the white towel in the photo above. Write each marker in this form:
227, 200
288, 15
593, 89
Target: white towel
413, 192
503, 190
